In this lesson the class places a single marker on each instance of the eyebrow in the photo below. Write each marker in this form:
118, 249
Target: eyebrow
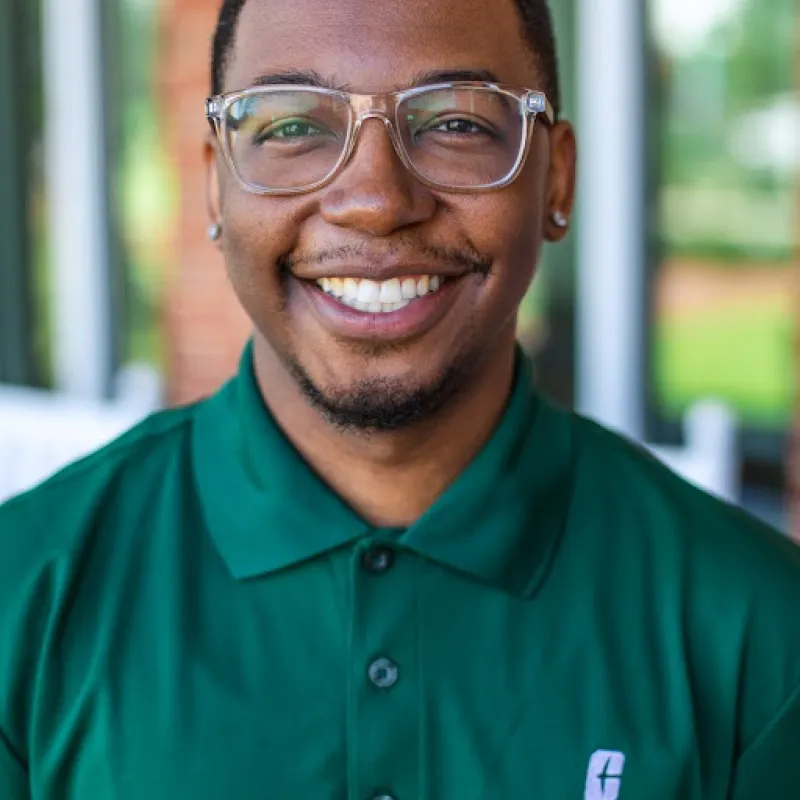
296, 77
453, 76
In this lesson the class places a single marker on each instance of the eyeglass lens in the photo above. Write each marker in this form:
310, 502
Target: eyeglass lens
459, 136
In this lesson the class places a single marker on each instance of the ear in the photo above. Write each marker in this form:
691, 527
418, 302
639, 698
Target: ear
213, 192
560, 197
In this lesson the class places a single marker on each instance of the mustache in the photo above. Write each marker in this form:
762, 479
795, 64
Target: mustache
465, 258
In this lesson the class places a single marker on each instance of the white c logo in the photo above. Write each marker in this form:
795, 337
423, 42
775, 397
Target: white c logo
604, 776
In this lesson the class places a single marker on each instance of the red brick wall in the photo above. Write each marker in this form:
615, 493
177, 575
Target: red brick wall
204, 326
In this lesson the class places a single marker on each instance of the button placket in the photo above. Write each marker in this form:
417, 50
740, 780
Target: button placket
383, 716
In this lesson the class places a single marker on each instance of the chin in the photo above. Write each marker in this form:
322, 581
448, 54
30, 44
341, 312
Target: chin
363, 393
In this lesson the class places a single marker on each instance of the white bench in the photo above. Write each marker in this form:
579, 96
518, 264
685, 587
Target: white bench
42, 432
709, 457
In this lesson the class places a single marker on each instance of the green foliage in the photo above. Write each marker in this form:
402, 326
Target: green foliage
747, 65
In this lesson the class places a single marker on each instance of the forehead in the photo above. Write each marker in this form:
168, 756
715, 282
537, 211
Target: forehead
377, 45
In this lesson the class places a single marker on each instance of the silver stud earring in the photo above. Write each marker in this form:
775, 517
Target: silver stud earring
559, 219
215, 232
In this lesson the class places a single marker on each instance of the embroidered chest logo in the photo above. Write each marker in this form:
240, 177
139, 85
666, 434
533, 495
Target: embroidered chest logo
604, 776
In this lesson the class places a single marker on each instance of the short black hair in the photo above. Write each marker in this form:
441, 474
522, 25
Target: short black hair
536, 19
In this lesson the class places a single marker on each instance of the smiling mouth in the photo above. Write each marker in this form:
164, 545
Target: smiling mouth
381, 297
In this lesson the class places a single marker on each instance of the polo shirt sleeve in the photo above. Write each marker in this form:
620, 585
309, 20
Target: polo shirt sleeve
770, 766
14, 783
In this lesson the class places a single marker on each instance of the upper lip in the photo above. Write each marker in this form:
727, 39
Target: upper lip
381, 270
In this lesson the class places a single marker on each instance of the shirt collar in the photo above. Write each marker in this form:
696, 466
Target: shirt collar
499, 522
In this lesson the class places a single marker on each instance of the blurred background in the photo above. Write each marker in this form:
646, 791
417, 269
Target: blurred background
670, 313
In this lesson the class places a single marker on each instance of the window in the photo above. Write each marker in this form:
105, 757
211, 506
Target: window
728, 159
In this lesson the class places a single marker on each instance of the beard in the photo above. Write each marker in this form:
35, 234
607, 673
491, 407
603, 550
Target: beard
381, 404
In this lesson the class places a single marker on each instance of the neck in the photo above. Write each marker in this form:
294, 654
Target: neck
390, 478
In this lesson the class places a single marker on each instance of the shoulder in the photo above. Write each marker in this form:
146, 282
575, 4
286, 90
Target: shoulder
50, 525
620, 476
728, 582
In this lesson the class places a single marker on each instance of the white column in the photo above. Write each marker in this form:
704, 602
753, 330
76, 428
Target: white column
611, 202
74, 141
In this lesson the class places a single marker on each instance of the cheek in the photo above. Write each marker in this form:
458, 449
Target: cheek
509, 231
519, 227
258, 232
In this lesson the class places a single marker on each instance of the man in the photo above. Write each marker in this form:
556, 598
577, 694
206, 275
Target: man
377, 565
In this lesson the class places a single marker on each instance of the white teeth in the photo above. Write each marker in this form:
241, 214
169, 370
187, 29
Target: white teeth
409, 288
369, 292
391, 292
380, 297
350, 288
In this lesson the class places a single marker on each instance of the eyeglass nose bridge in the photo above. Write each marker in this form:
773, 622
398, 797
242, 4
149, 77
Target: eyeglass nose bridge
365, 108
373, 114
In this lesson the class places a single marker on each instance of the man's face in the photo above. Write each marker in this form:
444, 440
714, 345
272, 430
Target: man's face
377, 369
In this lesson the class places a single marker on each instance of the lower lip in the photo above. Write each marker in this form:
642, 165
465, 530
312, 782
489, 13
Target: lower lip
417, 317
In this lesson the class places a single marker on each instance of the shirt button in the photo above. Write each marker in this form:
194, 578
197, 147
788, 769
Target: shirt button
383, 797
383, 673
378, 560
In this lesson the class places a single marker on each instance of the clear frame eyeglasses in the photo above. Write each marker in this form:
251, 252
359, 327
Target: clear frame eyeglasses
458, 137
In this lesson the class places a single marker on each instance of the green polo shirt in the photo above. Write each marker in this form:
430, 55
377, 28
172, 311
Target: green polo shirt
191, 613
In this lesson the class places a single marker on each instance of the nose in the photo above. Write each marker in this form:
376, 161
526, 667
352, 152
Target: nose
375, 193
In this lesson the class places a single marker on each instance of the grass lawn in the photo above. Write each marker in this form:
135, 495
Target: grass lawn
741, 353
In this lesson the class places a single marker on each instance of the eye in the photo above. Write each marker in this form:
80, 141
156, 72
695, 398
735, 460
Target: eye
289, 129
457, 126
